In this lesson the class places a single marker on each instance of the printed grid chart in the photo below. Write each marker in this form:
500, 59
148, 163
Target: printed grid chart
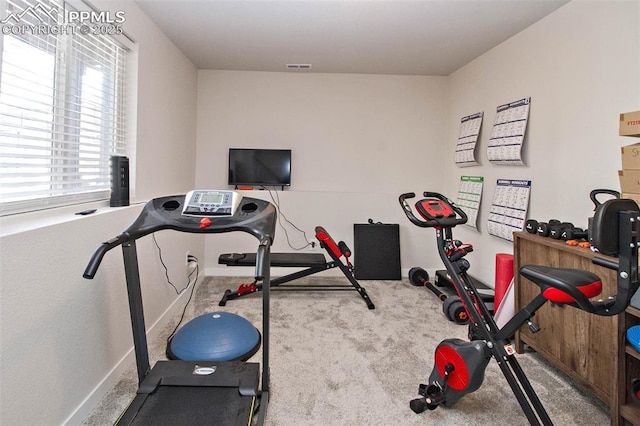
469, 197
509, 208
507, 135
467, 140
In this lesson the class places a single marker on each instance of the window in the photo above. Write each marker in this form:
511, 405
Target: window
61, 108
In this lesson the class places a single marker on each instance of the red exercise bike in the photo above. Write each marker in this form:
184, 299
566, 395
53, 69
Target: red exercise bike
460, 365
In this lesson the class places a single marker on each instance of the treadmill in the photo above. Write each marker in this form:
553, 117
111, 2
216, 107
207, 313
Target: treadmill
177, 392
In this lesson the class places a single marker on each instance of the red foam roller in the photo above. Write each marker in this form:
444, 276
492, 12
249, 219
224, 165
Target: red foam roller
504, 275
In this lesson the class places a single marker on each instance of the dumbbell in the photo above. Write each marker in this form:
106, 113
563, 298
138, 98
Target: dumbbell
531, 226
556, 231
544, 228
454, 310
418, 276
574, 234
452, 306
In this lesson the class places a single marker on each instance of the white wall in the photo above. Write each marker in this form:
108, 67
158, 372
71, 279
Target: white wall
581, 66
64, 339
357, 135
358, 141
345, 130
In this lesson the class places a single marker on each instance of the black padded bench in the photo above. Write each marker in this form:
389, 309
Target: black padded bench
313, 262
287, 260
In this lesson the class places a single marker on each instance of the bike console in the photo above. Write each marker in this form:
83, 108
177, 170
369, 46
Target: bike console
436, 211
431, 209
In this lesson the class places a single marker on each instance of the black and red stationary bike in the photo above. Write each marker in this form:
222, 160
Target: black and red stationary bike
459, 364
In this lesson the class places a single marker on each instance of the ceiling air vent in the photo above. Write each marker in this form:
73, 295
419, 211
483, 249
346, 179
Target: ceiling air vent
298, 66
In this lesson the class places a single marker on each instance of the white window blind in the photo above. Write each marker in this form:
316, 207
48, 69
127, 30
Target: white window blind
61, 110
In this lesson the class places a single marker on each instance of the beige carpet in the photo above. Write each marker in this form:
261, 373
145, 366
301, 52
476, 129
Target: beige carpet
335, 362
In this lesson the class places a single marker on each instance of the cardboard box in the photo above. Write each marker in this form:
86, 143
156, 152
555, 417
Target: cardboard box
631, 157
634, 197
629, 181
630, 124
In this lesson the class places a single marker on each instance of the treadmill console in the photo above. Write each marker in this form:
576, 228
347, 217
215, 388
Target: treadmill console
211, 203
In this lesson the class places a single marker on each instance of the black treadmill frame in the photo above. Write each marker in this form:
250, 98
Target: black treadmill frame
164, 213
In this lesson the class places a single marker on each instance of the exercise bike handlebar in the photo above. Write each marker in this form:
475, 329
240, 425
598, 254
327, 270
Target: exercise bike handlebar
407, 209
443, 222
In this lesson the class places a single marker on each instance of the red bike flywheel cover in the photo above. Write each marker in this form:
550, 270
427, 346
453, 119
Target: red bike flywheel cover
459, 377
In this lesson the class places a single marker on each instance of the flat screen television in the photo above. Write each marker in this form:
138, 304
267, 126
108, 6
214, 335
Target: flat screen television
269, 167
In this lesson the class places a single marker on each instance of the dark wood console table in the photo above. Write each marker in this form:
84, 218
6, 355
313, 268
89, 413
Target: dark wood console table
590, 349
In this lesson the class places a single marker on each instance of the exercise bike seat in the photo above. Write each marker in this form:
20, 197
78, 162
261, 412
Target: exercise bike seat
563, 285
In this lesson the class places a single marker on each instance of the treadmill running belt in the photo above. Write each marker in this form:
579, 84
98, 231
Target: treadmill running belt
194, 405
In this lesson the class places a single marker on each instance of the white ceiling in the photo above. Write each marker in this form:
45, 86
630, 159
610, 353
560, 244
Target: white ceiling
419, 37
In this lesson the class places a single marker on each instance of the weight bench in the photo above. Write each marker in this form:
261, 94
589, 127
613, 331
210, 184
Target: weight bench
313, 262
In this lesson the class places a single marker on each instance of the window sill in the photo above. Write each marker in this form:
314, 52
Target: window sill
25, 222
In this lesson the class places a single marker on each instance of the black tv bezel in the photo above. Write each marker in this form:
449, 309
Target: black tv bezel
236, 184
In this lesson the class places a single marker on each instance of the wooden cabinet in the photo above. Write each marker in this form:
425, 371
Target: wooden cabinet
590, 349
629, 360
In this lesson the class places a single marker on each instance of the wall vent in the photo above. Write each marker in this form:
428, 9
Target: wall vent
299, 66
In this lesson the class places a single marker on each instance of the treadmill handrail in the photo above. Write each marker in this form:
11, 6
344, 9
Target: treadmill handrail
253, 216
96, 258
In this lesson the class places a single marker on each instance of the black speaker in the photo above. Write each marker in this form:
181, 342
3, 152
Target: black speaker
377, 251
119, 181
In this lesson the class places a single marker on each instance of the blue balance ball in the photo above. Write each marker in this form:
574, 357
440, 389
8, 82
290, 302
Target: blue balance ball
633, 336
216, 336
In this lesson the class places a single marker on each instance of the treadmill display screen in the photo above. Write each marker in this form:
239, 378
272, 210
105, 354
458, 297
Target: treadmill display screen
211, 203
211, 198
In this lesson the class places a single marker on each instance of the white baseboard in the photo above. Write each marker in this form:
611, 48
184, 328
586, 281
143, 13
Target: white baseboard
113, 376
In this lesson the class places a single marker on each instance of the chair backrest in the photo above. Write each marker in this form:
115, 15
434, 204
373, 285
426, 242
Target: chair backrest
605, 226
615, 231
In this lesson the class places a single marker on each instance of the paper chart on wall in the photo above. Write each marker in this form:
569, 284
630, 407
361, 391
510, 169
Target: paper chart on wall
469, 197
509, 208
507, 135
467, 140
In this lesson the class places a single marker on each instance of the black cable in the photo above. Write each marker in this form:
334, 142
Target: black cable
179, 292
166, 270
184, 310
282, 216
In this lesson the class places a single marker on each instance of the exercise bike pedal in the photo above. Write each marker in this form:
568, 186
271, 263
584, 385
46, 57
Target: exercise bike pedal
475, 333
434, 396
421, 389
418, 405
431, 392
